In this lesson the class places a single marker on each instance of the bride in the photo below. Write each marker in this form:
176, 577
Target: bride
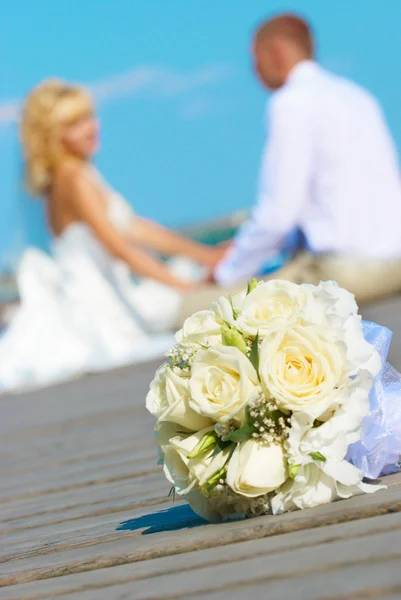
98, 301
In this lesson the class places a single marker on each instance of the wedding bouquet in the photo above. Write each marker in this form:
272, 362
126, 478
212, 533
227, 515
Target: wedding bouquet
274, 400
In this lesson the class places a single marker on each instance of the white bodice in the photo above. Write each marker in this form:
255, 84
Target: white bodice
81, 310
119, 211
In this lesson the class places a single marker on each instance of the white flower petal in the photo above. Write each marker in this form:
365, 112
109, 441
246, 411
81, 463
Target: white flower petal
256, 469
271, 306
221, 383
343, 472
168, 400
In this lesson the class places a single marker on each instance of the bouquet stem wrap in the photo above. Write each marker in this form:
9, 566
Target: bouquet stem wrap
378, 451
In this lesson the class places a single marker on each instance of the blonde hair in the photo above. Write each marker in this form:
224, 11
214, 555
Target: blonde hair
50, 106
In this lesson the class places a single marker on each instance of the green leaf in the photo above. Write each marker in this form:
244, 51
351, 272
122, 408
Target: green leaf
220, 446
249, 419
293, 470
233, 447
254, 354
223, 444
208, 441
317, 456
251, 286
230, 336
214, 480
242, 434
276, 415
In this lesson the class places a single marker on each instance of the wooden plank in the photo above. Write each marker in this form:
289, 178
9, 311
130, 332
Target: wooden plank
93, 495
364, 530
73, 451
177, 533
112, 423
355, 582
102, 392
81, 532
72, 444
150, 488
84, 480
83, 497
66, 479
237, 582
68, 468
12, 465
71, 534
72, 478
129, 503
257, 567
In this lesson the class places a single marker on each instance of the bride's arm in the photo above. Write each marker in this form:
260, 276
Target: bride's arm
87, 203
168, 243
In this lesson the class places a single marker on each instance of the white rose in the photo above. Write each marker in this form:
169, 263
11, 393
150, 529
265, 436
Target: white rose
223, 311
317, 455
256, 469
361, 355
183, 472
301, 370
327, 445
201, 327
176, 461
205, 466
227, 309
333, 437
327, 303
343, 300
221, 383
335, 310
237, 301
168, 400
207, 463
164, 432
176, 469
271, 306
312, 487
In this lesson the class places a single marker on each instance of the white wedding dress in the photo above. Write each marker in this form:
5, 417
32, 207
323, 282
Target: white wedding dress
81, 311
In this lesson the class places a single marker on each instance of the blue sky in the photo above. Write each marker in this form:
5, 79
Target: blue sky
182, 116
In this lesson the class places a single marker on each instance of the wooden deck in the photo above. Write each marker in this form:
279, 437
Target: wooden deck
84, 512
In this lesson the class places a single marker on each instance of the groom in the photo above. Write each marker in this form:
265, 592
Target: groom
329, 170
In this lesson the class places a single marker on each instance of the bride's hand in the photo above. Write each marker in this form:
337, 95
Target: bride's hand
192, 286
186, 286
226, 245
214, 255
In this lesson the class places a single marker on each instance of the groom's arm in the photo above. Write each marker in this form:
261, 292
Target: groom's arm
284, 188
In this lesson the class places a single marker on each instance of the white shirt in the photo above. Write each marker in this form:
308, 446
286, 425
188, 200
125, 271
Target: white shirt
329, 168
